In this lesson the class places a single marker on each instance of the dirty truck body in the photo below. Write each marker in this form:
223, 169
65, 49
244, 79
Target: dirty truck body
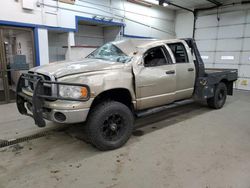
107, 88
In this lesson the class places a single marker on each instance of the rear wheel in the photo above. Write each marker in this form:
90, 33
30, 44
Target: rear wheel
109, 125
219, 98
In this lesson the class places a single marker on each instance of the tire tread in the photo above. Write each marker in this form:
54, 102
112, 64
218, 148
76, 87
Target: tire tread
95, 118
213, 102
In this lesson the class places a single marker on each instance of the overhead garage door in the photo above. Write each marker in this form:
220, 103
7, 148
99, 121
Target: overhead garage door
225, 42
91, 35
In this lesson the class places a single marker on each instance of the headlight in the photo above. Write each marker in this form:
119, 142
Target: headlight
76, 92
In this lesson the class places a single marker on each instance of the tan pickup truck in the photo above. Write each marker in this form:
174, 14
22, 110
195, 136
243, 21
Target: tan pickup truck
108, 87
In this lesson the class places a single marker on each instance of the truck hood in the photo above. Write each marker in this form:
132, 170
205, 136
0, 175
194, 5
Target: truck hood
64, 68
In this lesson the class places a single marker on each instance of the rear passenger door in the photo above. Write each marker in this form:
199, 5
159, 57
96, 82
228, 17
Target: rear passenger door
185, 70
156, 79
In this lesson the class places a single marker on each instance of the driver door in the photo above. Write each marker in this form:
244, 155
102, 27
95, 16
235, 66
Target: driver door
156, 80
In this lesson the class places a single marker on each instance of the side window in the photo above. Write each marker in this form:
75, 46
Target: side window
155, 57
179, 52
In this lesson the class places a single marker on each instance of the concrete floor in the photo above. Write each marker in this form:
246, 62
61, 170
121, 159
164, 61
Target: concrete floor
189, 146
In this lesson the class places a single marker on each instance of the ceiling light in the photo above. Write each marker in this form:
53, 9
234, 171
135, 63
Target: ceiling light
164, 3
140, 2
151, 2
154, 2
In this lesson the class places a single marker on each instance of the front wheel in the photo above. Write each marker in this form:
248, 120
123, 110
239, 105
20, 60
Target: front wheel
109, 125
219, 98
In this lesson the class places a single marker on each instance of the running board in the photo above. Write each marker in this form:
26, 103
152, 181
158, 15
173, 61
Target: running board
165, 107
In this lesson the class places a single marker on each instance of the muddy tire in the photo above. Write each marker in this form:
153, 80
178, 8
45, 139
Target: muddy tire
220, 96
109, 125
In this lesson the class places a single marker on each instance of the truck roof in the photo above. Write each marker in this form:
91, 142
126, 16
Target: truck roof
129, 46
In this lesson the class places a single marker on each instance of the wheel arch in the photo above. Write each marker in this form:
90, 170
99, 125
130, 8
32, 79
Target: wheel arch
122, 95
229, 85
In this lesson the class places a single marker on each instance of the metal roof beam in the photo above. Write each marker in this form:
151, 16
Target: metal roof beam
217, 3
175, 5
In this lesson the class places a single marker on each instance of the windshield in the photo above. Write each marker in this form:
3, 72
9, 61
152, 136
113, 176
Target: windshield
109, 52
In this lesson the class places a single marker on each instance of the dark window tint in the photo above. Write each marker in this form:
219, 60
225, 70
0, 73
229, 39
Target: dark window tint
155, 57
179, 52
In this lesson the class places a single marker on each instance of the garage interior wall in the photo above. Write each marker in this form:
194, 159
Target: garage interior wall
224, 41
141, 21
184, 23
20, 49
91, 36
57, 43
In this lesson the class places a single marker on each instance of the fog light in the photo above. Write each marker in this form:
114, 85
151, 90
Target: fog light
60, 116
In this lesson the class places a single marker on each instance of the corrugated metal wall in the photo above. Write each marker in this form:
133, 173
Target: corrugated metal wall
224, 42
56, 42
89, 35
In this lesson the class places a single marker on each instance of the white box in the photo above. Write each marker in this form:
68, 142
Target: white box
28, 4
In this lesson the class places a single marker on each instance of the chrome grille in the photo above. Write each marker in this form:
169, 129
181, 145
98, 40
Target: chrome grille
48, 88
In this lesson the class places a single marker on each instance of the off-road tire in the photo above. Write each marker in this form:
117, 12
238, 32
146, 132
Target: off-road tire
103, 119
219, 98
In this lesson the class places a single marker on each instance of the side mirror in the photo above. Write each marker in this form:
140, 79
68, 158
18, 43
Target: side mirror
140, 61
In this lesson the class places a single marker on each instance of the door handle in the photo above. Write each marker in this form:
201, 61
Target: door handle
190, 69
170, 72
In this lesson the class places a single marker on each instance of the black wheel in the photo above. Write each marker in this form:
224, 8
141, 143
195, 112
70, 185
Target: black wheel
219, 98
109, 125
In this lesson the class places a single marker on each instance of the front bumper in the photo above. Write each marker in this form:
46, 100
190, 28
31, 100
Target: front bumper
67, 116
36, 103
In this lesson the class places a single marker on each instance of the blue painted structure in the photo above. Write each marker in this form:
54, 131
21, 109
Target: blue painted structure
36, 41
35, 28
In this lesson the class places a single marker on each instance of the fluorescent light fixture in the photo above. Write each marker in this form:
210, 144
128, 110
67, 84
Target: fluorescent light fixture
97, 17
154, 2
164, 3
205, 57
149, 2
227, 57
108, 19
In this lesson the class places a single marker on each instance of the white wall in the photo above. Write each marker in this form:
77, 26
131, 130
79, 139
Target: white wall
78, 52
223, 40
184, 24
89, 35
140, 20
24, 38
111, 33
57, 43
155, 21
11, 10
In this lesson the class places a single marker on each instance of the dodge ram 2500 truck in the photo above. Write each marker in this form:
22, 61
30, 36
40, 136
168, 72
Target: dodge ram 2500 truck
108, 87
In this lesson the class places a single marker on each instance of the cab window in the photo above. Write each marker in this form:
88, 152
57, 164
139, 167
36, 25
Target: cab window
156, 57
179, 52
